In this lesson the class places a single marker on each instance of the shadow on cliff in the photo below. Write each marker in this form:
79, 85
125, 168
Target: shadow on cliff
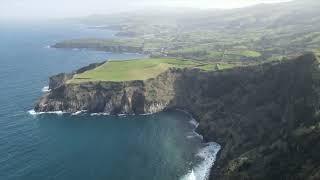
265, 117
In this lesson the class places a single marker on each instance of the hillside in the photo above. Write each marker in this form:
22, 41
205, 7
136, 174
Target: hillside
278, 102
238, 35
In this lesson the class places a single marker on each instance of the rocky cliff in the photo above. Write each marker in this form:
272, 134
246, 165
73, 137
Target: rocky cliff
60, 79
266, 117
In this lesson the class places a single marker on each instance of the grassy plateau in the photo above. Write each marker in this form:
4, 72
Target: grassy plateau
140, 69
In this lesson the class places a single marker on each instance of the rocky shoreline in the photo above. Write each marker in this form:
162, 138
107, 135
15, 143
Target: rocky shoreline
265, 117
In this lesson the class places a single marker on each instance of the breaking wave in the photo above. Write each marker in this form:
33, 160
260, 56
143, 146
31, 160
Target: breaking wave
77, 113
194, 134
208, 155
34, 113
99, 114
46, 89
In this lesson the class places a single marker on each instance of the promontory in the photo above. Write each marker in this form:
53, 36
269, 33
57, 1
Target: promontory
265, 116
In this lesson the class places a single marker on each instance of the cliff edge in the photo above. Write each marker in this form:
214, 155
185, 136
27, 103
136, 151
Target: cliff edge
266, 117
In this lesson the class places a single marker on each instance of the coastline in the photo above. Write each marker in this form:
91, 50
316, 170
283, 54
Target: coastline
142, 53
208, 153
225, 103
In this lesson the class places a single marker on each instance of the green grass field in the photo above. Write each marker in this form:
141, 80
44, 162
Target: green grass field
140, 69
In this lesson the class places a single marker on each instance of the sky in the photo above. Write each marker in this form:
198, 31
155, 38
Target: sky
25, 9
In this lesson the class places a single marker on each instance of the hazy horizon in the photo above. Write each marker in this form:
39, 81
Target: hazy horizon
37, 9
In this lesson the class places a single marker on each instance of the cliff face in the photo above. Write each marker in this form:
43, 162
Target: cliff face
60, 79
266, 117
132, 97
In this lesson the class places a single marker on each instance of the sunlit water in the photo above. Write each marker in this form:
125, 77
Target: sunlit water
63, 147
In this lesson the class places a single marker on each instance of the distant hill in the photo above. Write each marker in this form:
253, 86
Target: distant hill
264, 32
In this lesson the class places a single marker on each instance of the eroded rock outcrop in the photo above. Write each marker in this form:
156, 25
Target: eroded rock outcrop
133, 97
62, 78
266, 117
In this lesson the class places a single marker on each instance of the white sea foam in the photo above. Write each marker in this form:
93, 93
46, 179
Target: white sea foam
99, 114
191, 176
46, 89
194, 122
194, 134
77, 113
202, 170
34, 113
208, 155
146, 114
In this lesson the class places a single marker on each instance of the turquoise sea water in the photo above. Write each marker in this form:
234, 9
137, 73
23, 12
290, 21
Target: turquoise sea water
64, 147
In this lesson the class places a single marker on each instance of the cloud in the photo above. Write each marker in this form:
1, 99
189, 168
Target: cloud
69, 8
224, 4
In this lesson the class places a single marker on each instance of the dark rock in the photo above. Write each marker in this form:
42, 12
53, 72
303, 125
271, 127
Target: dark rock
58, 80
266, 117
62, 78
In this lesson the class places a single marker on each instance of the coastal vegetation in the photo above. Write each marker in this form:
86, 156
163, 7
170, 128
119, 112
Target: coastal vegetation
274, 92
279, 101
249, 34
141, 69
110, 45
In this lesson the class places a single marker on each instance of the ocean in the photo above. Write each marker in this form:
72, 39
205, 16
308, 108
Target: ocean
83, 146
